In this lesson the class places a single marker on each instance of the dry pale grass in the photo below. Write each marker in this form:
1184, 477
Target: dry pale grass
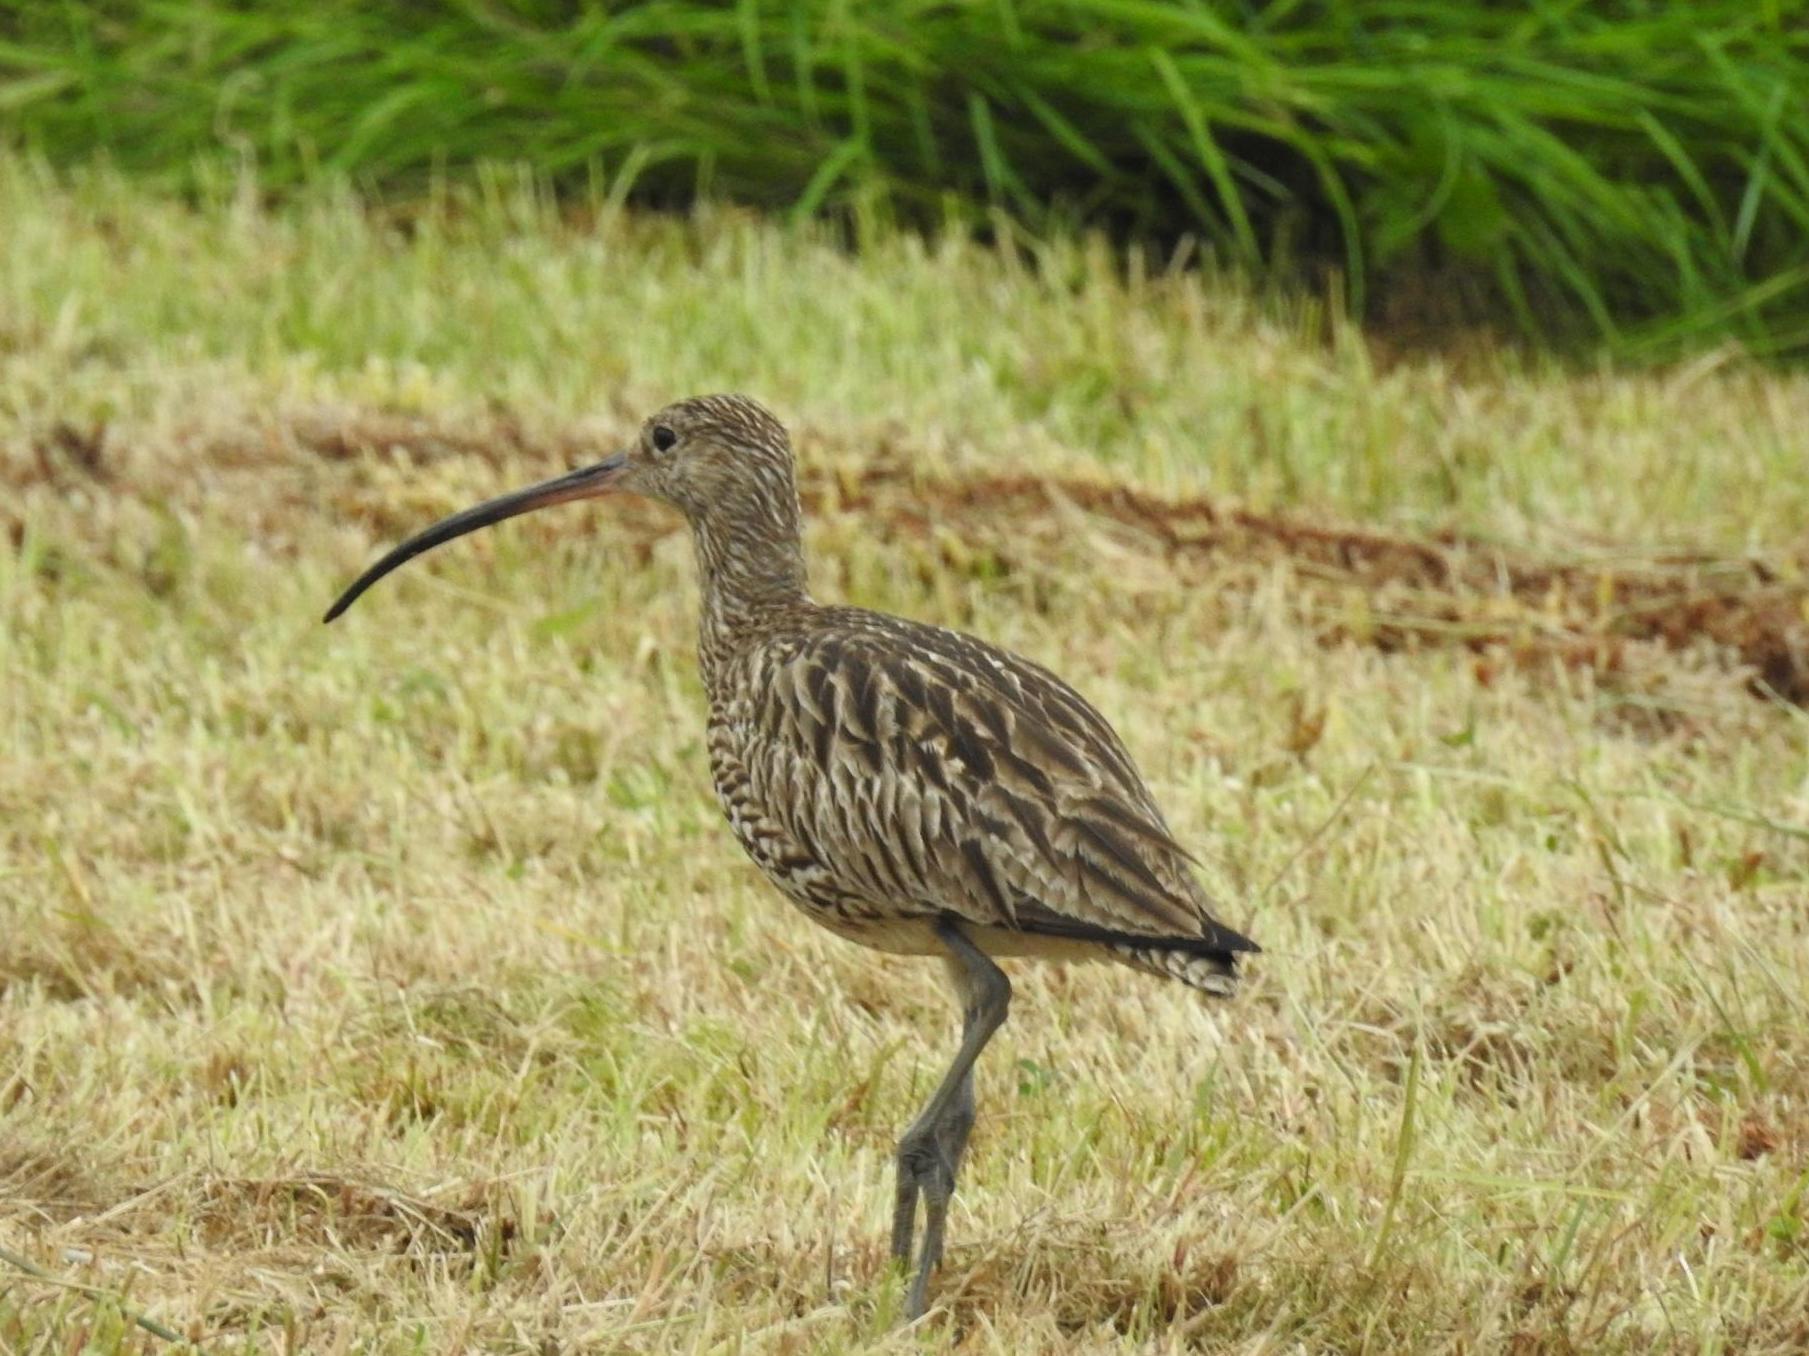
394, 987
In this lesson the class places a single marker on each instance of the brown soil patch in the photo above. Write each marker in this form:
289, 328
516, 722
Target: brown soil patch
1394, 592
1439, 591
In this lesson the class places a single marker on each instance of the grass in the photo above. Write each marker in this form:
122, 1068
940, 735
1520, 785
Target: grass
1638, 174
395, 987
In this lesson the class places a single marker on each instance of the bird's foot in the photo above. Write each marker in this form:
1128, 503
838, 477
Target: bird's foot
927, 1170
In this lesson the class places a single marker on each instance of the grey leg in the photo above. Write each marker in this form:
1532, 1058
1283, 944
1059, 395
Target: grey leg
952, 1131
929, 1153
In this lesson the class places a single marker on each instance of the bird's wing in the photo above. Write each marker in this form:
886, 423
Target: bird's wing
918, 765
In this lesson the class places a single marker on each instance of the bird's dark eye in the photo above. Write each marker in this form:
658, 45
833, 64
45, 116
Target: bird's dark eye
663, 438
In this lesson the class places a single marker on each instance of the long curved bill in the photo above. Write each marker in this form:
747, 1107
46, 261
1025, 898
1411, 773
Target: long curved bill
580, 484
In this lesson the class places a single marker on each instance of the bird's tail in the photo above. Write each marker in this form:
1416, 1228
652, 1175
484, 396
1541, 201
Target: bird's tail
1213, 972
1207, 962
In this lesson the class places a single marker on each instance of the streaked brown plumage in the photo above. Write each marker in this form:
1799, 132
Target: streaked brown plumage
909, 787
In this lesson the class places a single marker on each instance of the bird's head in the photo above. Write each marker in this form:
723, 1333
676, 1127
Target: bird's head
718, 458
715, 455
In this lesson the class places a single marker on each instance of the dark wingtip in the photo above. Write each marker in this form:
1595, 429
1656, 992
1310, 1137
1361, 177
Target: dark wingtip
1236, 942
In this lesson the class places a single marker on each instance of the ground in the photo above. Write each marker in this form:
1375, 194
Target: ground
395, 987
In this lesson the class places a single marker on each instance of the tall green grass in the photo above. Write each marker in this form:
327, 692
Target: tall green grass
1638, 172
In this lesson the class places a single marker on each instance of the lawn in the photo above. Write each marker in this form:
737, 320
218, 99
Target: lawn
395, 986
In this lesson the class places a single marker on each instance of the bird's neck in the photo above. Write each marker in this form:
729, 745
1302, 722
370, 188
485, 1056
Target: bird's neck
751, 570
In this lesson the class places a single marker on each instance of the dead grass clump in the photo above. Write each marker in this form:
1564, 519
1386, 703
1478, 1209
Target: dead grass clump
335, 1214
49, 1182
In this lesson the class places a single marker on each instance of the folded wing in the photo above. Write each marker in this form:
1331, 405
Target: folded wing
914, 764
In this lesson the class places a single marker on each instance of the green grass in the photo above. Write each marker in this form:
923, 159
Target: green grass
1638, 173
396, 987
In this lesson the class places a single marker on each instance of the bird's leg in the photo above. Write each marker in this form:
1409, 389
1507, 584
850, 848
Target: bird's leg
939, 1188
956, 1123
929, 1153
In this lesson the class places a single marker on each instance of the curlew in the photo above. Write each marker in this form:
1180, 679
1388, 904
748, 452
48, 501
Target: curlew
909, 787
